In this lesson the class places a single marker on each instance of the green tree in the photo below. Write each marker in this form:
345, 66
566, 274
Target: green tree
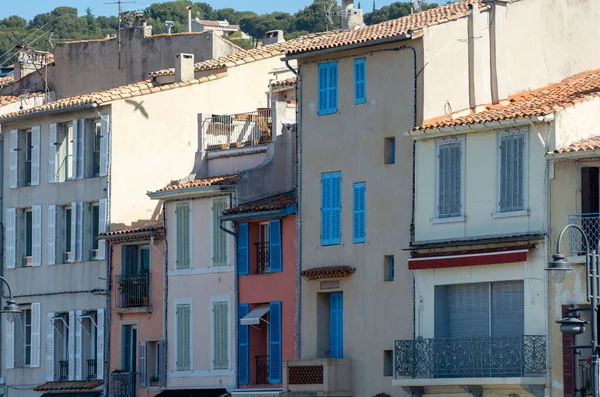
312, 18
93, 26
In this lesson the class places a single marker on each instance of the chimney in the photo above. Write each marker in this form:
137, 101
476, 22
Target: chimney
352, 18
273, 36
184, 67
189, 12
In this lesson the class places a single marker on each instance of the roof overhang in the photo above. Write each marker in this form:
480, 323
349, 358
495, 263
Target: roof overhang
462, 129
400, 37
244, 216
48, 112
479, 259
147, 233
475, 241
190, 192
579, 155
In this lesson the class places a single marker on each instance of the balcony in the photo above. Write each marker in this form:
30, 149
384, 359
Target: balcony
133, 292
63, 368
238, 130
482, 360
322, 377
263, 258
92, 370
590, 223
122, 384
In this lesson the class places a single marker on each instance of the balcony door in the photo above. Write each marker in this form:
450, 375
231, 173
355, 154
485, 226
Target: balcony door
336, 324
129, 349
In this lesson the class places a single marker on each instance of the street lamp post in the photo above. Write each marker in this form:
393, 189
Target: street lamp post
11, 309
573, 324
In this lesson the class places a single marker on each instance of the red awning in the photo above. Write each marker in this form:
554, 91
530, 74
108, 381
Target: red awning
478, 259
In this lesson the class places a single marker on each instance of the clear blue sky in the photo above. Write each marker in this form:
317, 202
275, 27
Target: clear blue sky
29, 8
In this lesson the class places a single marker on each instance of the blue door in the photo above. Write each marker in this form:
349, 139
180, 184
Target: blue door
336, 325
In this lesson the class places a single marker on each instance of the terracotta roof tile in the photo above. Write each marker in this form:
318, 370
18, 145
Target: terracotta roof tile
6, 80
148, 227
8, 99
592, 143
103, 97
387, 29
278, 202
327, 272
540, 102
210, 181
69, 385
289, 82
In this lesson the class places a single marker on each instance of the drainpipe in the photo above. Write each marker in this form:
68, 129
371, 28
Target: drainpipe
165, 298
299, 201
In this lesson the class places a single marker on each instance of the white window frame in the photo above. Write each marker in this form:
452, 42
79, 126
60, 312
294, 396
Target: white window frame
499, 134
213, 300
212, 237
440, 142
24, 325
183, 301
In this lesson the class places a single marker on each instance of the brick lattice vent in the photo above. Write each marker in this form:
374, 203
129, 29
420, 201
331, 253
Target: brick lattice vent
305, 375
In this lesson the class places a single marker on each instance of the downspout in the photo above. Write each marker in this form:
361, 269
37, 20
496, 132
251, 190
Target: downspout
236, 297
299, 201
107, 316
165, 298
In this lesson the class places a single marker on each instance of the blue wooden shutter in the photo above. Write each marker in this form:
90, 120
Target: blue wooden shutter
243, 253
328, 83
333, 87
243, 348
360, 93
325, 209
331, 205
323, 88
336, 207
336, 325
275, 343
359, 212
275, 256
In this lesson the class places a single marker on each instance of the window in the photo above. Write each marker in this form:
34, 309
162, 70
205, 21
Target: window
220, 332
512, 150
22, 338
95, 230
389, 151
136, 259
266, 243
360, 81
65, 150
183, 332
219, 238
449, 181
26, 316
96, 147
129, 348
28, 150
331, 207
67, 224
182, 236
328, 88
388, 268
388, 363
359, 210
28, 235
24, 157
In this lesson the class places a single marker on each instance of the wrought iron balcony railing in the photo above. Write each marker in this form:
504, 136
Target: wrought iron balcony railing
122, 384
262, 370
63, 367
263, 258
471, 357
133, 291
237, 130
92, 372
590, 222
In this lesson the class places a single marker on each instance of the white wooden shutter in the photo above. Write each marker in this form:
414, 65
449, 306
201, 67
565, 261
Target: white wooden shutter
219, 238
75, 147
79, 232
36, 333
51, 243
13, 159
73, 231
449, 179
9, 347
104, 131
36, 241
50, 348
11, 238
80, 144
100, 344
71, 344
78, 347
512, 172
102, 226
143, 364
52, 139
220, 335
35, 155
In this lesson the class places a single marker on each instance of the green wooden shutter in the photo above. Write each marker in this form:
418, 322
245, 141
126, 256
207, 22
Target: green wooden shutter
183, 337
219, 238
182, 215
220, 332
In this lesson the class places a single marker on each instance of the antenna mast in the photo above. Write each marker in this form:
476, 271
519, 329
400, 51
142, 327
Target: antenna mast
118, 3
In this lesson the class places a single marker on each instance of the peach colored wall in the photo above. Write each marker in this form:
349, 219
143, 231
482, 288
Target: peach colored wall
149, 325
281, 286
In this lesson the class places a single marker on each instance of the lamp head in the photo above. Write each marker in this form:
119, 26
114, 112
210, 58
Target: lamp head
558, 267
572, 324
10, 310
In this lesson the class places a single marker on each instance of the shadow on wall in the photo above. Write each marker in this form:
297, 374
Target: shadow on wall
137, 106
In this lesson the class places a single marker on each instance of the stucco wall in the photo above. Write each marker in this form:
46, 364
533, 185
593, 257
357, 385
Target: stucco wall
78, 63
353, 141
185, 284
32, 82
480, 165
578, 122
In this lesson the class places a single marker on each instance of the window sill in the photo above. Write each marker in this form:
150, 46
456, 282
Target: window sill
454, 219
510, 214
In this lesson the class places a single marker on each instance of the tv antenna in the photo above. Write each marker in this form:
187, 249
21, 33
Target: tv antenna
329, 13
169, 26
118, 3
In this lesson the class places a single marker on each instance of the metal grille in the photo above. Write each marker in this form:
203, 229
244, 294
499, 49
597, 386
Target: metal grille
237, 130
64, 370
262, 370
122, 384
472, 357
590, 223
305, 375
92, 368
263, 258
133, 291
